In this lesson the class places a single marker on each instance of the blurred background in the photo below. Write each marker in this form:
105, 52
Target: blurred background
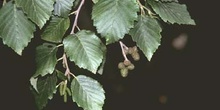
182, 75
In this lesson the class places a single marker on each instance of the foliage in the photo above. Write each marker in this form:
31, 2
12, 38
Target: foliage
113, 19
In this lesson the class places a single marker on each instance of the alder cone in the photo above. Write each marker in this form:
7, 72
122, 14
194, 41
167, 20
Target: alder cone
121, 65
127, 62
135, 56
131, 67
124, 72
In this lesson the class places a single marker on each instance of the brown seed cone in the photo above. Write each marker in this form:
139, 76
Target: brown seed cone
131, 67
124, 72
130, 50
126, 62
135, 56
126, 51
135, 49
121, 65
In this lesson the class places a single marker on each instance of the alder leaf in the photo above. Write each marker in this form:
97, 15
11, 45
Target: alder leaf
85, 49
172, 12
56, 29
114, 18
63, 7
16, 30
146, 33
76, 3
101, 67
95, 1
33, 82
39, 11
87, 93
46, 87
167, 0
46, 59
61, 75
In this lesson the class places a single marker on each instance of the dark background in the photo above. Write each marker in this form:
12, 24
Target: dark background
188, 78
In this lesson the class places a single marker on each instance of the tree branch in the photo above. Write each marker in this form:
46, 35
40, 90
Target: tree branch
67, 72
77, 16
123, 49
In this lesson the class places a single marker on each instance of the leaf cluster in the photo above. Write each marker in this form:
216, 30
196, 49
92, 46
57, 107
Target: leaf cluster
113, 19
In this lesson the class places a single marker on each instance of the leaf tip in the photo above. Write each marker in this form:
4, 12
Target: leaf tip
19, 52
192, 22
33, 82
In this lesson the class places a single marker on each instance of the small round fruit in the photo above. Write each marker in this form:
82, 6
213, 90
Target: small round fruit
127, 62
130, 50
124, 72
121, 65
131, 67
126, 51
135, 56
135, 49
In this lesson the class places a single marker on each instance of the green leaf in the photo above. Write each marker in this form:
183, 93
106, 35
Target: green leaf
101, 67
167, 0
76, 3
172, 12
95, 1
63, 7
46, 59
87, 93
114, 18
61, 75
56, 29
46, 87
84, 48
15, 28
39, 11
33, 82
146, 34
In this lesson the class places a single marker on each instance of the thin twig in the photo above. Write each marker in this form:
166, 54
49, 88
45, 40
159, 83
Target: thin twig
78, 28
58, 84
141, 7
4, 2
77, 16
67, 72
59, 45
60, 59
74, 12
123, 47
